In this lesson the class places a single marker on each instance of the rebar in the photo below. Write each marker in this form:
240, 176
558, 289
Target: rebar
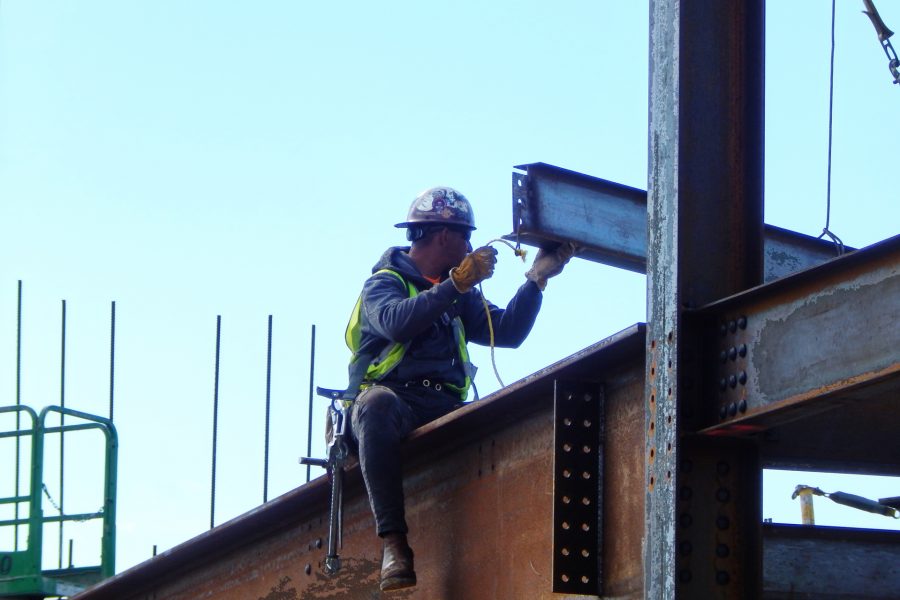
112, 356
62, 424
312, 371
18, 404
268, 411
212, 501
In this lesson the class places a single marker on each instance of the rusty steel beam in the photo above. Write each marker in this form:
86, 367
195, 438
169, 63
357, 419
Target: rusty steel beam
609, 221
705, 242
480, 491
827, 339
865, 421
830, 562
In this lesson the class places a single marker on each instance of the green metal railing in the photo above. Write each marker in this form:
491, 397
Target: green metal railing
21, 572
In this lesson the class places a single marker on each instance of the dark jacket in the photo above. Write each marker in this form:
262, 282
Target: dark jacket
389, 315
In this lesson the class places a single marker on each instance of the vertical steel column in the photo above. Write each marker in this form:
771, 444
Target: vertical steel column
705, 219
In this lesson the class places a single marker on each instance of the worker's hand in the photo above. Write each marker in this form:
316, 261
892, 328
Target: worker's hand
477, 266
549, 264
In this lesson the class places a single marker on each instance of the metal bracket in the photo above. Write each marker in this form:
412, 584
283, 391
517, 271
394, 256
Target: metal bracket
578, 488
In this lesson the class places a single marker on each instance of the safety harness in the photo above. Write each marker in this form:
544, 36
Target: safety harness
367, 368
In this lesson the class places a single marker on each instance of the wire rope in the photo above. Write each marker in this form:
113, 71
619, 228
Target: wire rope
827, 230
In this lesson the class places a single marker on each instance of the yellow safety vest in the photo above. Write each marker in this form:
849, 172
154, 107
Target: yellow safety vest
377, 367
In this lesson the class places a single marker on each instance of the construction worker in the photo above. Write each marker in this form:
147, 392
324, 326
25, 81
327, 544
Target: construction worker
409, 333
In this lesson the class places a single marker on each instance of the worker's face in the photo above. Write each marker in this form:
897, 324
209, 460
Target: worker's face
457, 244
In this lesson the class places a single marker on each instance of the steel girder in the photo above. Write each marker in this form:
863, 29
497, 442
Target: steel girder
609, 222
830, 562
810, 357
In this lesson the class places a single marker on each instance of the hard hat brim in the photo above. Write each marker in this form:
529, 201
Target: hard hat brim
408, 224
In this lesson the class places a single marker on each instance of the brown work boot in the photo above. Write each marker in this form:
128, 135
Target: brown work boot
397, 566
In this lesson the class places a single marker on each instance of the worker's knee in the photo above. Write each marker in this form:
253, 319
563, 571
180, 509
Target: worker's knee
378, 406
376, 399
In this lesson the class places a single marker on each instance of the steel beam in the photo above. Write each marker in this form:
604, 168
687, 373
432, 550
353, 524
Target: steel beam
827, 339
480, 492
609, 221
705, 242
830, 562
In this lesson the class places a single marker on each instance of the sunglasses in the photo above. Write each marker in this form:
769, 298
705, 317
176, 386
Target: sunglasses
465, 233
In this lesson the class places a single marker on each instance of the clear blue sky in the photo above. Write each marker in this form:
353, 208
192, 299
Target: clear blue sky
243, 159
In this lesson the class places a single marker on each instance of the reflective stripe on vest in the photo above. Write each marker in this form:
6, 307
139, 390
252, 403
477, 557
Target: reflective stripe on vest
392, 354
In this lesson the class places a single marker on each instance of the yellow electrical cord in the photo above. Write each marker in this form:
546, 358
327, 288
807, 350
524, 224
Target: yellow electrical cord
521, 253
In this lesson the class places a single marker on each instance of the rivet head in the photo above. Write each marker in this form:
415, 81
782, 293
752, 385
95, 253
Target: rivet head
686, 520
684, 575
723, 384
732, 409
723, 356
722, 522
723, 495
732, 380
722, 551
307, 569
743, 406
742, 322
742, 378
742, 350
685, 493
723, 329
685, 548
722, 577
723, 411
732, 353
722, 468
732, 326
319, 543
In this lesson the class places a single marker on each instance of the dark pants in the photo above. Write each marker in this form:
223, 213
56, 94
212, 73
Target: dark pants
380, 420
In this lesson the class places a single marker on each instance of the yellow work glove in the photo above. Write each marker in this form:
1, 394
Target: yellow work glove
477, 266
549, 264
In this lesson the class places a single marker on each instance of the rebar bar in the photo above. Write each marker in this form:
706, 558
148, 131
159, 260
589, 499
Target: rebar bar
268, 411
212, 501
312, 371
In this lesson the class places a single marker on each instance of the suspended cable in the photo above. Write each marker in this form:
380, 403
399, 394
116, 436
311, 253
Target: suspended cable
839, 245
